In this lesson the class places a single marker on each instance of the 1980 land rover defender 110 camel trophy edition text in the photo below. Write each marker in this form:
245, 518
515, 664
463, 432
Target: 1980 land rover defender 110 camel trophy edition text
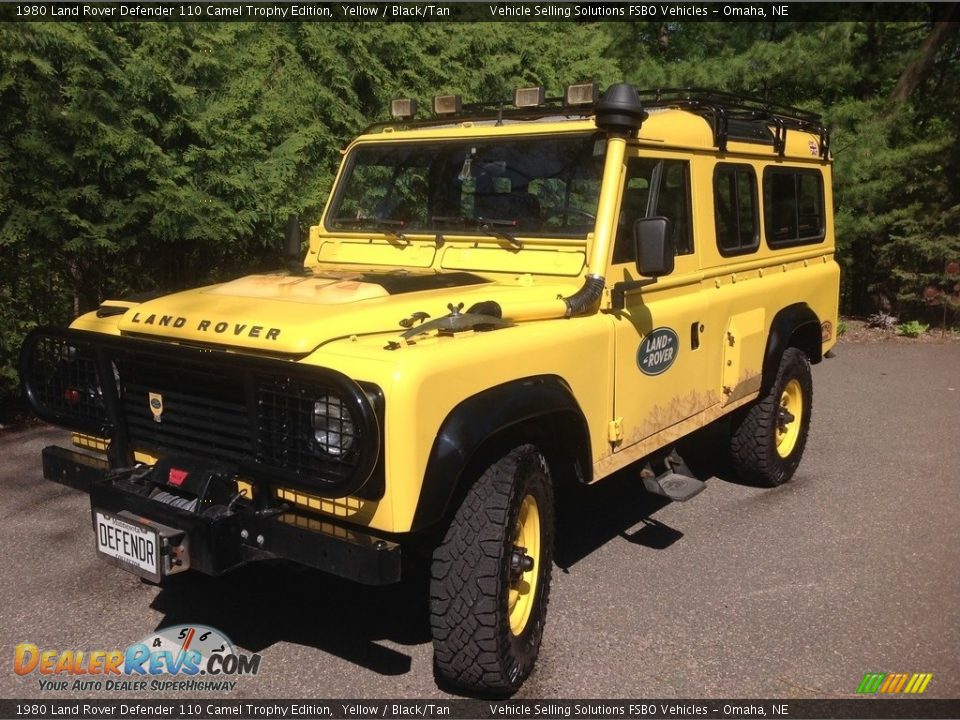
498, 301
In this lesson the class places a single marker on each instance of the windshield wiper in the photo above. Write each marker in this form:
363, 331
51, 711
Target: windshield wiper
384, 225
488, 226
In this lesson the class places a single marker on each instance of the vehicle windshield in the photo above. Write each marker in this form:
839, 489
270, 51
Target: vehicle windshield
547, 186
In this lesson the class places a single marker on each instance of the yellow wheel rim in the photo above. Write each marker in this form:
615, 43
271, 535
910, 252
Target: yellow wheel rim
523, 583
789, 418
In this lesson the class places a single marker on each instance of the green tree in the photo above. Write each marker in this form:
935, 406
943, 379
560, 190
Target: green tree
151, 156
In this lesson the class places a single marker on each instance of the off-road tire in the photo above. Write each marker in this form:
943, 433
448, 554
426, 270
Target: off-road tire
753, 442
475, 649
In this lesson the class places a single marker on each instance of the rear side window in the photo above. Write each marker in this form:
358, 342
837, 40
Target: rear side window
735, 203
792, 206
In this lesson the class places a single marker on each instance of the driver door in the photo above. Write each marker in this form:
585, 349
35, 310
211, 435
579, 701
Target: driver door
659, 366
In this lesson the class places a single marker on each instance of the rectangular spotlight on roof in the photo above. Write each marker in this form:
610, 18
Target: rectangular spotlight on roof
529, 97
582, 94
403, 108
446, 104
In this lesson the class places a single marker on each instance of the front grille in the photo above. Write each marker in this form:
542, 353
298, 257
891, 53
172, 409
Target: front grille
203, 411
255, 413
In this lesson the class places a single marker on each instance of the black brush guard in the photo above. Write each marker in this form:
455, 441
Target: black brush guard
203, 391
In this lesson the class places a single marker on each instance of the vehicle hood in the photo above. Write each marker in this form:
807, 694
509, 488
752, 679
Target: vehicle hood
294, 314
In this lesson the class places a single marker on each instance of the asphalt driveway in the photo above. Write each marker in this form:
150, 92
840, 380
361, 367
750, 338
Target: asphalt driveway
796, 592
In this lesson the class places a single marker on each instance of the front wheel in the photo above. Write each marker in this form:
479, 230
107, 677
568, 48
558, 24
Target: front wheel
768, 439
490, 577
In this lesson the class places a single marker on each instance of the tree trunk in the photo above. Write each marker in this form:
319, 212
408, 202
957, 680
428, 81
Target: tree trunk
917, 71
663, 38
76, 274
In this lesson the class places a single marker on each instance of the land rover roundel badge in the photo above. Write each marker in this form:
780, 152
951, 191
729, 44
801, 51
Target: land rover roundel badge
657, 351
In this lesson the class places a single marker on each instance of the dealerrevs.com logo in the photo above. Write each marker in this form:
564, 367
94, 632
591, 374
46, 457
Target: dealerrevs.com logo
177, 658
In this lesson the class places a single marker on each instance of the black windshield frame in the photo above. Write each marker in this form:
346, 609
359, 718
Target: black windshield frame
530, 185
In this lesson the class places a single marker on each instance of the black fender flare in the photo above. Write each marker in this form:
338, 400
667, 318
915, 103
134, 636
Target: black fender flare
795, 325
479, 418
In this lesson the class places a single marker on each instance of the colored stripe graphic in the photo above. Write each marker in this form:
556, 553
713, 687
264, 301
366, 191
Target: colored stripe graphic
871, 682
892, 683
918, 683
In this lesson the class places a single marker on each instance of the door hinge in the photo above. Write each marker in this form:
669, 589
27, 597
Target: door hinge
615, 431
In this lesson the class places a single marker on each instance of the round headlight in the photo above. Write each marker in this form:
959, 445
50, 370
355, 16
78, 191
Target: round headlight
332, 425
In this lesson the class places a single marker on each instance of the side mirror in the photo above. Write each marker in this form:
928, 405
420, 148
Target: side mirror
653, 245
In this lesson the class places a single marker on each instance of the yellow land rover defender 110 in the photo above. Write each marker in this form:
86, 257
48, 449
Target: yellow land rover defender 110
499, 300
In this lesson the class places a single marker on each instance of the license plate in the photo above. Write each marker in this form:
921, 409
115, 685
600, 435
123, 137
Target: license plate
127, 544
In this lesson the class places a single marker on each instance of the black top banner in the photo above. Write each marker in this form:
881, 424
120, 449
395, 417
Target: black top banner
522, 11
250, 709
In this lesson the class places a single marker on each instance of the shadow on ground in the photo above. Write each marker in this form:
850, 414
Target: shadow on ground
264, 603
589, 517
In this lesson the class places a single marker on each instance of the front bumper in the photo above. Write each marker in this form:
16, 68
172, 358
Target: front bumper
220, 542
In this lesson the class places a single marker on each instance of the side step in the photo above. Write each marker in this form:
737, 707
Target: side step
675, 482
678, 488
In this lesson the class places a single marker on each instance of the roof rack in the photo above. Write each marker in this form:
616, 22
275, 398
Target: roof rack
731, 116
740, 117
499, 111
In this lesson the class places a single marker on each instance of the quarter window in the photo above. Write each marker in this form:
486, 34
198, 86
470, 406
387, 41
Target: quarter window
735, 202
653, 188
792, 206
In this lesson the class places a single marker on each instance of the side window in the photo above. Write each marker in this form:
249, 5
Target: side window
735, 201
793, 206
655, 188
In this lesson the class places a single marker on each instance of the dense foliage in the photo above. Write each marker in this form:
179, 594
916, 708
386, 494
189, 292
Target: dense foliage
148, 155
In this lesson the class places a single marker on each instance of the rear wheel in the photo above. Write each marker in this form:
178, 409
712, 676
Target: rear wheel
490, 577
768, 439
